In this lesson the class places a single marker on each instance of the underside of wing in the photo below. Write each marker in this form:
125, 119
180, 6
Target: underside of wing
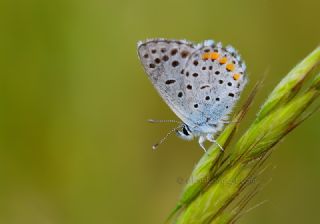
215, 77
200, 83
164, 62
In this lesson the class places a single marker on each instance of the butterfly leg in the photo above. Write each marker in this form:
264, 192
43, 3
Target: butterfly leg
211, 139
201, 141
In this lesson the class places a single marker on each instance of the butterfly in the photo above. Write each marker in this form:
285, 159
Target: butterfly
201, 83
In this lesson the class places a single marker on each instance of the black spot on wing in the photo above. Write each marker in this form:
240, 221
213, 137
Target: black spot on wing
170, 81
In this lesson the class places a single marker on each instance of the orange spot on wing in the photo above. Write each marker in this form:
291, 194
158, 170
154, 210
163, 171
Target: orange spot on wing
214, 55
230, 67
236, 76
205, 56
223, 60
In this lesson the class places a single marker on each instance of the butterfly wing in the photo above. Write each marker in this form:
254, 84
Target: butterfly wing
214, 78
164, 62
200, 83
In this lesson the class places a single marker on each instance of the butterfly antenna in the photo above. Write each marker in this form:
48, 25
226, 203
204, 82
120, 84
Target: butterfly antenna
163, 121
155, 146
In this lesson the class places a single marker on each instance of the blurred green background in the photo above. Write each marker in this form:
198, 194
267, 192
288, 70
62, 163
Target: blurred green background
75, 146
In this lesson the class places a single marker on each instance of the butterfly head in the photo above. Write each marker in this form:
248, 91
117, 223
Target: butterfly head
185, 133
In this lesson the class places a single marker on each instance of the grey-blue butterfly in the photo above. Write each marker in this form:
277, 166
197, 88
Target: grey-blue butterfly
201, 83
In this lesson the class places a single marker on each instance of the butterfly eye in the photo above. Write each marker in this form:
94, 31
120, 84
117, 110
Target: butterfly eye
185, 131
